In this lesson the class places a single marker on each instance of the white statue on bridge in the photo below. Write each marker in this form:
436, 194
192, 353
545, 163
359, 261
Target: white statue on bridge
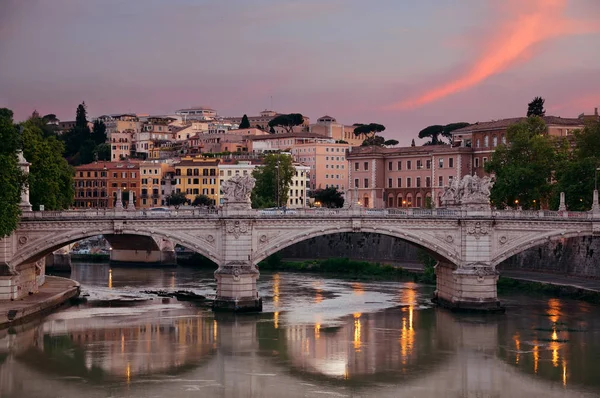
469, 190
237, 190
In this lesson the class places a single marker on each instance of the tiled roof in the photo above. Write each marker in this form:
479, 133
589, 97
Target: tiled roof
504, 123
285, 135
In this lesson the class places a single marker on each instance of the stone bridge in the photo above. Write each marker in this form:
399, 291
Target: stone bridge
468, 243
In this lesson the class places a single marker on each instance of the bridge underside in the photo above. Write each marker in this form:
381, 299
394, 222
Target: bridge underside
131, 250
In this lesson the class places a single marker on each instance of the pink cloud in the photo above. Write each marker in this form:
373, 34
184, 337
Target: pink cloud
513, 41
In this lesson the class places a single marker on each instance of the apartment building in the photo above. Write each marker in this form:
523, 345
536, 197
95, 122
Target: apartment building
152, 183
96, 184
326, 161
404, 177
121, 144
329, 127
484, 137
198, 176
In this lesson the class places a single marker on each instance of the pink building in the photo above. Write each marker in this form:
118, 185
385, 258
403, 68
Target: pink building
327, 163
329, 127
404, 177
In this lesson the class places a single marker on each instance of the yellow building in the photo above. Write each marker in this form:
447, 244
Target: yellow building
152, 175
198, 176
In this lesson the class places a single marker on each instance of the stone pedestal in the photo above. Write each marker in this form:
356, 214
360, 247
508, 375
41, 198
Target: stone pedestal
467, 288
236, 288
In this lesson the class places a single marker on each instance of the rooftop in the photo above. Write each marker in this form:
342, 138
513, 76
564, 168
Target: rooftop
505, 123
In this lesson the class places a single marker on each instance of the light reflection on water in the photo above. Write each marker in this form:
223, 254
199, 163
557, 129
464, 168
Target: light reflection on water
317, 336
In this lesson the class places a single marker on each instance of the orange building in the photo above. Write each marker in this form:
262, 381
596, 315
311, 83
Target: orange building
96, 184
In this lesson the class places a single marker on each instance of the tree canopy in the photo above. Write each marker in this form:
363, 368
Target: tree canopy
202, 200
524, 167
245, 124
575, 172
368, 130
50, 176
176, 199
80, 142
287, 122
273, 179
329, 197
434, 132
11, 178
536, 107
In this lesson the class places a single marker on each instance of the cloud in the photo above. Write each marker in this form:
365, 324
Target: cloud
526, 25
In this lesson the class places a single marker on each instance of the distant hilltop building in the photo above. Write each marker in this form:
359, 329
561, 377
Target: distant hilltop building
197, 113
261, 121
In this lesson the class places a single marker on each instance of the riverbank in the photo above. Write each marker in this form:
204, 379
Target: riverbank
55, 292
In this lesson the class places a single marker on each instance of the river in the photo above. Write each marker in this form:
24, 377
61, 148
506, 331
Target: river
317, 337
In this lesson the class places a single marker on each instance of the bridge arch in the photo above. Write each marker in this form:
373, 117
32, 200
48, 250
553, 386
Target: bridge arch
522, 244
36, 249
441, 251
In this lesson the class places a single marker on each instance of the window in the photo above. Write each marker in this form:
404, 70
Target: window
408, 165
355, 166
477, 143
390, 183
476, 162
366, 183
451, 162
484, 161
441, 181
428, 164
428, 182
399, 165
418, 182
486, 141
390, 166
504, 140
494, 141
441, 163
366, 166
399, 182
408, 182
356, 183
419, 164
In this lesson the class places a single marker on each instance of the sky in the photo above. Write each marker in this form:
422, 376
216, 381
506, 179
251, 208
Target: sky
405, 64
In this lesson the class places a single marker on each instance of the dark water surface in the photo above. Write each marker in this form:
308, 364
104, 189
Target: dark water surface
317, 337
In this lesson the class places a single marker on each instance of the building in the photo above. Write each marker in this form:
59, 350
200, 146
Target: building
197, 113
298, 194
96, 184
326, 161
282, 142
329, 127
484, 137
404, 177
235, 141
197, 176
261, 121
152, 182
120, 122
121, 144
156, 129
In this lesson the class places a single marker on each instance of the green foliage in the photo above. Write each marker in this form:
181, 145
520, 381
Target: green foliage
428, 266
391, 142
328, 197
176, 199
287, 122
202, 200
11, 178
273, 179
368, 130
575, 173
525, 166
99, 132
75, 138
376, 140
245, 124
536, 107
102, 152
50, 176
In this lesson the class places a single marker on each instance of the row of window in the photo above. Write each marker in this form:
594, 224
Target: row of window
196, 181
337, 166
408, 164
154, 181
408, 181
338, 176
196, 172
486, 141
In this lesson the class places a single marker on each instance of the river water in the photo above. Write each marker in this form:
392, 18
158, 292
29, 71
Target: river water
317, 337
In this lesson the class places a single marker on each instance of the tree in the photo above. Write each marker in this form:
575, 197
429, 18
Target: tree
434, 132
575, 173
176, 199
368, 130
50, 176
99, 132
202, 200
245, 124
536, 107
273, 179
102, 152
328, 197
286, 122
11, 178
75, 138
373, 141
413, 142
391, 142
524, 167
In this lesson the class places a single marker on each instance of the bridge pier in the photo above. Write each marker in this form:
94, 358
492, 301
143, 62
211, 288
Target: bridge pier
471, 288
236, 288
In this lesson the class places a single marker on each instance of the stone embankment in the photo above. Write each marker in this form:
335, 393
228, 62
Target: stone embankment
52, 294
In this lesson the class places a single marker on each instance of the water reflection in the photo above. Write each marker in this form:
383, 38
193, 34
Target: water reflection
406, 349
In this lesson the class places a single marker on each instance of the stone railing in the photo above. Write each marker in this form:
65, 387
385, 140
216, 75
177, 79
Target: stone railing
314, 213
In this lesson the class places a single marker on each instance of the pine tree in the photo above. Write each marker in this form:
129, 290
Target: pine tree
245, 124
536, 107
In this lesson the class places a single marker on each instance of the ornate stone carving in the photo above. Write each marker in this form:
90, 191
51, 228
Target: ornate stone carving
449, 239
23, 240
503, 239
237, 228
210, 238
478, 229
469, 190
236, 191
263, 239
